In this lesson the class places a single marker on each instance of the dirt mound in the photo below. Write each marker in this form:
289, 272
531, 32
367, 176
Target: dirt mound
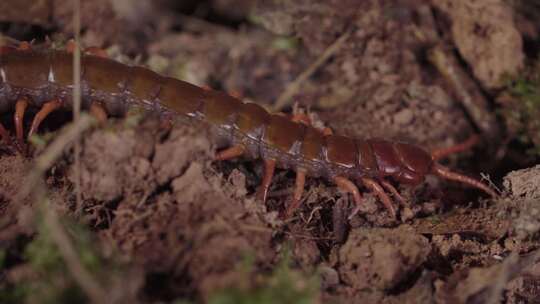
169, 210
381, 258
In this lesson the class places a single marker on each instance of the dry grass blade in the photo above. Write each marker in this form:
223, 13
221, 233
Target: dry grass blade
5, 40
81, 275
77, 99
464, 87
42, 163
69, 134
285, 98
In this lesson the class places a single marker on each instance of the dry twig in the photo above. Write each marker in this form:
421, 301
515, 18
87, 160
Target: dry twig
43, 162
464, 87
77, 100
285, 98
59, 236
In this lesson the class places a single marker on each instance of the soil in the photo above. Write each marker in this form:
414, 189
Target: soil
188, 228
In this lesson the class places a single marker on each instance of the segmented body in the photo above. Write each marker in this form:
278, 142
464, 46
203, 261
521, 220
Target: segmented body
46, 75
41, 76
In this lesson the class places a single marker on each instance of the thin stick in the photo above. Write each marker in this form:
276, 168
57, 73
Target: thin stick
77, 100
6, 40
81, 275
285, 98
464, 87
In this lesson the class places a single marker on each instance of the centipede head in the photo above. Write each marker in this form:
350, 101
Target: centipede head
415, 162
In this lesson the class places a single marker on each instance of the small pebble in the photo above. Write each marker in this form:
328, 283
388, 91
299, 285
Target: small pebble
403, 117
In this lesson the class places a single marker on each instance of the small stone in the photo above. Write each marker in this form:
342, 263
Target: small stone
406, 214
403, 117
329, 277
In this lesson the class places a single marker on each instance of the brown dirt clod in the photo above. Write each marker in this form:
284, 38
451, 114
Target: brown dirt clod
486, 35
524, 188
381, 258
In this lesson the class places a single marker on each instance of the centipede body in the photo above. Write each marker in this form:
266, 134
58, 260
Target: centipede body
40, 76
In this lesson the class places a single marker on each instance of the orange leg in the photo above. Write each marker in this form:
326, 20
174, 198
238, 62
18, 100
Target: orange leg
394, 192
466, 145
379, 191
97, 110
95, 51
346, 185
444, 172
230, 153
18, 117
269, 167
304, 119
301, 117
24, 46
236, 94
47, 108
298, 190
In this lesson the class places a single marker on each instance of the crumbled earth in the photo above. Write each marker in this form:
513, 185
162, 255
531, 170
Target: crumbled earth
188, 228
166, 208
174, 213
380, 258
13, 171
523, 187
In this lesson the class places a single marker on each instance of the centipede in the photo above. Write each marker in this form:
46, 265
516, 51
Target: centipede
42, 78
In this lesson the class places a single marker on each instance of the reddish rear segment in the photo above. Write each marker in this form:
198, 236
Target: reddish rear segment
36, 78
